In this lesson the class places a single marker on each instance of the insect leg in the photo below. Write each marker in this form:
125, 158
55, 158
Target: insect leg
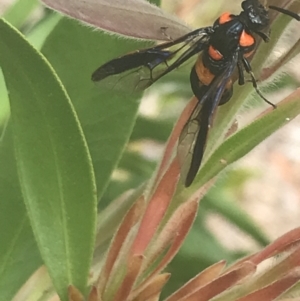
254, 82
264, 36
241, 74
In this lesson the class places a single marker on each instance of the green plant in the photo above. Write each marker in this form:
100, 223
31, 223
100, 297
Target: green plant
58, 150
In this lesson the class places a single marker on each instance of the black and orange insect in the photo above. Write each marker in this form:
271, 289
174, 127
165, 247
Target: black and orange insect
221, 49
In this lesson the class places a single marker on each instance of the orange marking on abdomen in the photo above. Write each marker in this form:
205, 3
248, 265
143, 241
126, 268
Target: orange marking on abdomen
204, 74
214, 53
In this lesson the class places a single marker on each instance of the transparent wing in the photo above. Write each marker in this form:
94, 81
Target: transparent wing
192, 140
192, 143
138, 70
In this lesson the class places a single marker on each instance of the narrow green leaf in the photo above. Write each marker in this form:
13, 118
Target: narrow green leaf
107, 117
247, 138
53, 163
4, 105
19, 255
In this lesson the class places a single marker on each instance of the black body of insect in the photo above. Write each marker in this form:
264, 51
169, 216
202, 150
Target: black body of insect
222, 48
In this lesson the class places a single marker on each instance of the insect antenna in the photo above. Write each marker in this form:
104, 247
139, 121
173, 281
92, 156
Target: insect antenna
285, 12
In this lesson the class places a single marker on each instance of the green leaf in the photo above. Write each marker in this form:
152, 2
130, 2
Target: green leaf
247, 138
40, 32
148, 128
53, 163
19, 255
4, 105
107, 117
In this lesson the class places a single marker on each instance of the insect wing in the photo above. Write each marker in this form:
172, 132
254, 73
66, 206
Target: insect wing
192, 140
133, 71
138, 70
187, 141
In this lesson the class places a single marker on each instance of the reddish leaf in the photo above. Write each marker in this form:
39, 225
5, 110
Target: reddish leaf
176, 229
222, 283
134, 18
277, 271
131, 218
93, 296
173, 139
156, 208
133, 269
199, 281
152, 290
274, 290
282, 244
